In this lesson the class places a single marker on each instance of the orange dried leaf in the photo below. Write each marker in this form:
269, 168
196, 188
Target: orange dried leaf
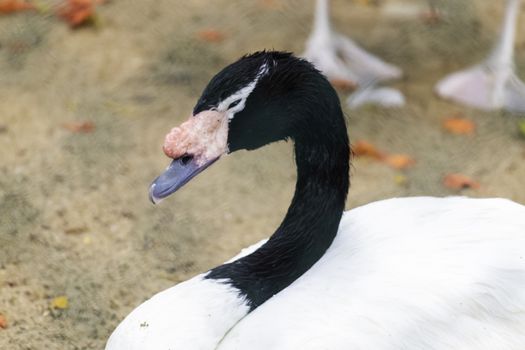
364, 148
78, 12
10, 6
459, 182
343, 84
399, 161
459, 126
396, 161
3, 322
80, 127
211, 36
431, 17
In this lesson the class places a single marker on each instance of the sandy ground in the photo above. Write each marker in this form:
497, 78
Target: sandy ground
75, 219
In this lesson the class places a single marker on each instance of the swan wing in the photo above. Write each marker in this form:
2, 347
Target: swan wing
413, 273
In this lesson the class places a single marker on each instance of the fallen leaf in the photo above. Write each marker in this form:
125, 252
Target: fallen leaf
343, 84
3, 322
459, 126
366, 2
211, 36
10, 6
270, 4
521, 127
399, 161
364, 148
459, 182
400, 180
80, 127
396, 161
75, 230
60, 302
431, 17
78, 12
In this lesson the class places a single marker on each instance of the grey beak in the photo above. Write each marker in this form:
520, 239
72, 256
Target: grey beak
178, 173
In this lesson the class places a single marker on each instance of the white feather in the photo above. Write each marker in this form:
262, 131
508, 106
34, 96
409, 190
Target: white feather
413, 273
193, 315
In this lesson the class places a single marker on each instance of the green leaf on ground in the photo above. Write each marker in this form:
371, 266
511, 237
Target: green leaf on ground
521, 126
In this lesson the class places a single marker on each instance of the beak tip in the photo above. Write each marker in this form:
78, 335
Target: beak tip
155, 200
176, 175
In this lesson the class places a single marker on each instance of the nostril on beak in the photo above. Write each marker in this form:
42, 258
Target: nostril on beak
186, 159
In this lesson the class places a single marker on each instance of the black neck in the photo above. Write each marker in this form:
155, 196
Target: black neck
312, 220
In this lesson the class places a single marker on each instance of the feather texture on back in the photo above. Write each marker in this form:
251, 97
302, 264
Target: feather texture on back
408, 273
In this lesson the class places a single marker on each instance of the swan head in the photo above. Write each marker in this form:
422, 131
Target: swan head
259, 99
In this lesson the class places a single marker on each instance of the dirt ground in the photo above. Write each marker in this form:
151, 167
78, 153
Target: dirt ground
75, 219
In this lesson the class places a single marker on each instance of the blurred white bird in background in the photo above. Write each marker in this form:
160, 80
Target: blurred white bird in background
492, 84
342, 60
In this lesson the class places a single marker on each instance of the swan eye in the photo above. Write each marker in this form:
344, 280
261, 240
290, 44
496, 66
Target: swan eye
234, 103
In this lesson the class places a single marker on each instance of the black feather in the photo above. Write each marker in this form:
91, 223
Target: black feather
292, 100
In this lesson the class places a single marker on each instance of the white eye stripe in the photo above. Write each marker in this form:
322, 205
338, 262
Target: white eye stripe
241, 95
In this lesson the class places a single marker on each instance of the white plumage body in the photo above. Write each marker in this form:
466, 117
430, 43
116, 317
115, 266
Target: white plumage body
408, 273
192, 315
411, 273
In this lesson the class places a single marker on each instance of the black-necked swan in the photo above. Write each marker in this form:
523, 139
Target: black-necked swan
342, 60
492, 84
404, 273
